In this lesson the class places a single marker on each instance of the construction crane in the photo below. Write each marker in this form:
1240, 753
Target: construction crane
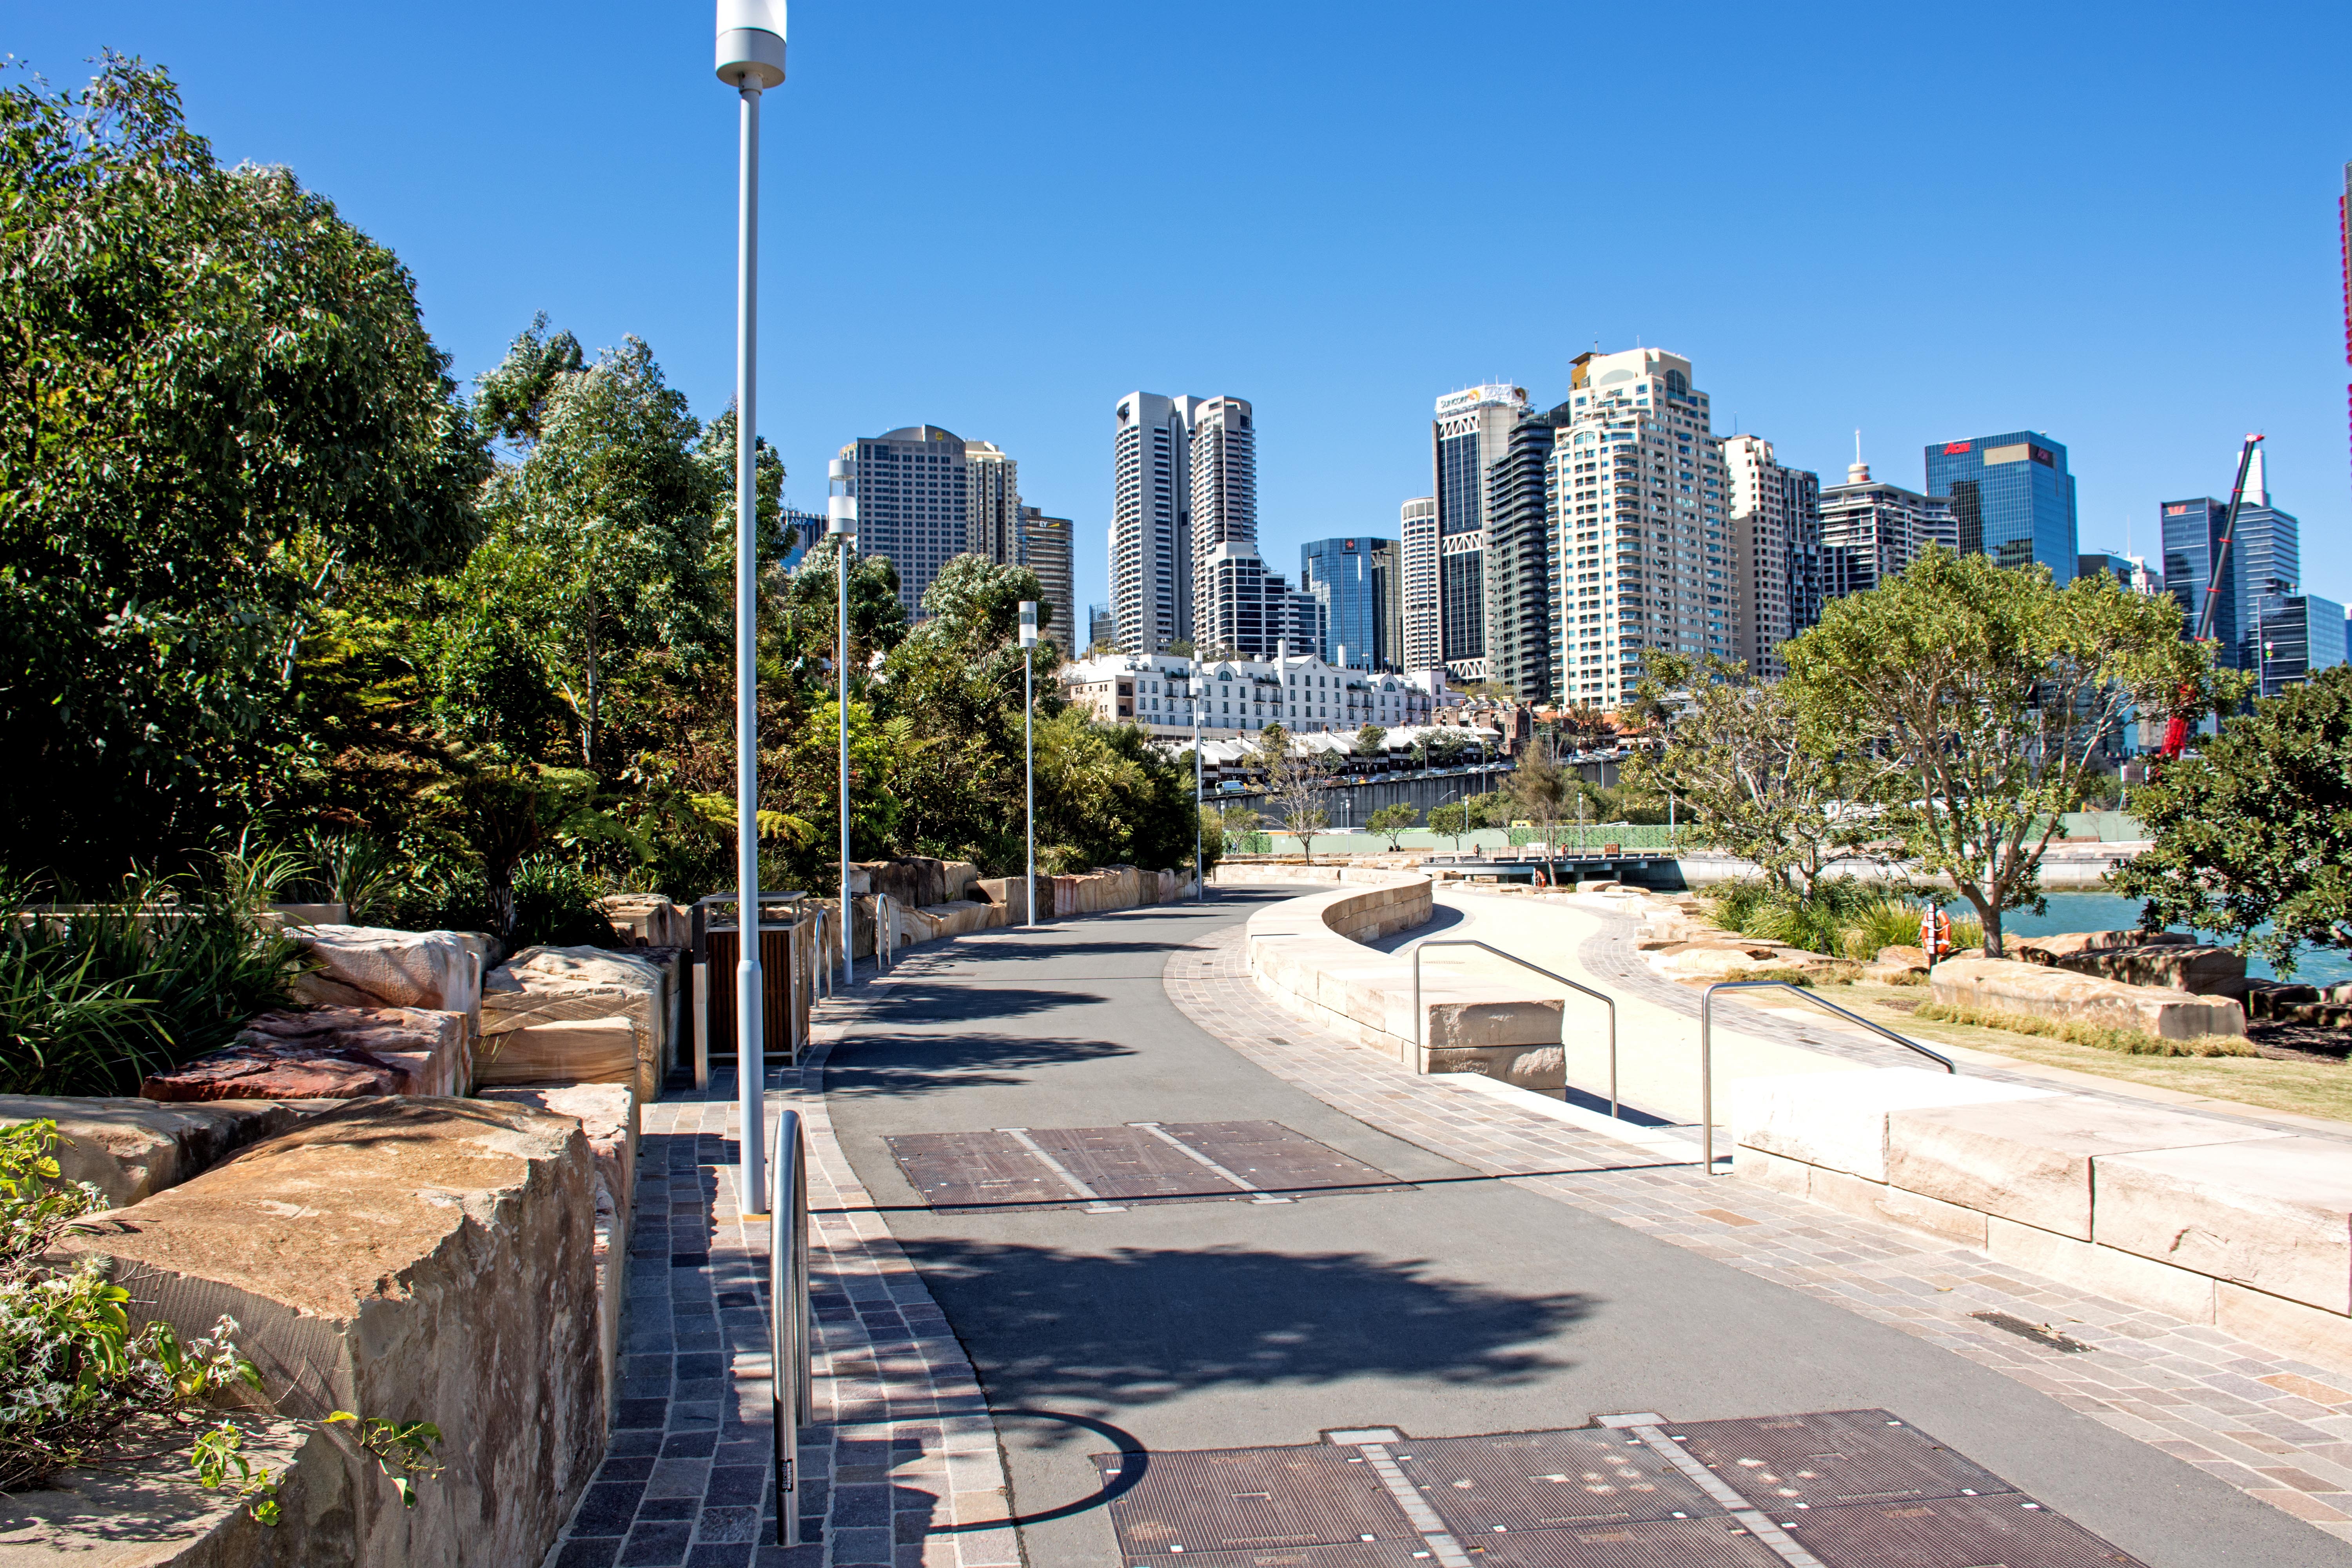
2176, 730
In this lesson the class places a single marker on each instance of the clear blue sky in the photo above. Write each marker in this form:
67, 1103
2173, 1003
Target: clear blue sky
2113, 224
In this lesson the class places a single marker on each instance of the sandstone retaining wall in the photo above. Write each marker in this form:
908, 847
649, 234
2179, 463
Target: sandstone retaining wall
2000, 984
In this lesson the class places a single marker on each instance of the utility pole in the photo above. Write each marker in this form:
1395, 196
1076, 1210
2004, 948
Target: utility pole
841, 524
1029, 752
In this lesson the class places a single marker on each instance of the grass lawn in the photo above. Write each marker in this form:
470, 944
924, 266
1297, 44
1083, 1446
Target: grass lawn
2309, 1088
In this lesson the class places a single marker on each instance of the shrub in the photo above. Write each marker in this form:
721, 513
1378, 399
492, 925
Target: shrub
554, 904
2129, 1042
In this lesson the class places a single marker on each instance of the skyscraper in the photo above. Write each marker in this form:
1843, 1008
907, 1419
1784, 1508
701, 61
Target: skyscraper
1871, 530
1151, 521
2011, 498
1468, 434
2193, 542
1641, 549
1235, 602
1417, 566
2263, 569
1045, 549
1387, 592
2302, 635
1521, 585
992, 503
1774, 519
911, 501
1342, 576
2266, 556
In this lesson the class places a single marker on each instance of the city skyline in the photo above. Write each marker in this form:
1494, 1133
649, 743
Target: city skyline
2151, 359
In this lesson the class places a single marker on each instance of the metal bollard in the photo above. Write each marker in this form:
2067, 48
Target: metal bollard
788, 1317
701, 1026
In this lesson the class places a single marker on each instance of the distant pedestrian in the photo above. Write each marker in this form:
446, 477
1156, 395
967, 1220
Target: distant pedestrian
1935, 934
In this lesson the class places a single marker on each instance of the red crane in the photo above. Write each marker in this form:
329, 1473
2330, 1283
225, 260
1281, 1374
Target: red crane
2176, 730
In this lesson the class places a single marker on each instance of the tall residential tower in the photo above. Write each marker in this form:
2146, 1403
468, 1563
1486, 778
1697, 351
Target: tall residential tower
1470, 431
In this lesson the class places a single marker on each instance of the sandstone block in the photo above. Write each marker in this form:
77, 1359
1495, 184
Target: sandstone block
2273, 1212
1539, 1068
131, 1149
2030, 1161
1467, 1020
1781, 1175
275, 1072
435, 1050
2175, 966
2005, 985
1908, 957
577, 1050
1838, 1120
2057, 949
1891, 1204
648, 919
2102, 1270
413, 1260
2305, 1333
543, 986
368, 966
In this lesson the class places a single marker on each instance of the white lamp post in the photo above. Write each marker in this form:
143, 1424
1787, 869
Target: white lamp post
841, 523
1200, 803
750, 59
1029, 751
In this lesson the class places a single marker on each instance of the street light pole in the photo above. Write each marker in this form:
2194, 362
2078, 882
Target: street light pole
1029, 752
750, 59
1200, 803
841, 522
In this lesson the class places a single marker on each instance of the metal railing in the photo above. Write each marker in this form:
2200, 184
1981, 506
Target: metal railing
788, 1316
1420, 1018
1707, 1049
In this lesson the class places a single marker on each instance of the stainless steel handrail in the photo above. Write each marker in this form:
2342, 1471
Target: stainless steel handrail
1420, 1018
1707, 1049
788, 1316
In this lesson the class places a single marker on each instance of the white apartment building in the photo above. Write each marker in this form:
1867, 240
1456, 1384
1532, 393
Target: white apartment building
1871, 530
1773, 517
1641, 550
1151, 521
991, 504
1417, 568
911, 493
1470, 432
1241, 696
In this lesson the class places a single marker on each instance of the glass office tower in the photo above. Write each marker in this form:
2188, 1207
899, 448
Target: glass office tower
2300, 637
1341, 575
2012, 497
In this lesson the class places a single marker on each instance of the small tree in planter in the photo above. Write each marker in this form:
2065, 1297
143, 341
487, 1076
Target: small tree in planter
1391, 822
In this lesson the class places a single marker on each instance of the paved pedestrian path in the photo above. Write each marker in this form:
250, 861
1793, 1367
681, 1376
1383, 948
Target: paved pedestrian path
1539, 1274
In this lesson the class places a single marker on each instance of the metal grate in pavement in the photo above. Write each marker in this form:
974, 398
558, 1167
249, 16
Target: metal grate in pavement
2005, 1531
1868, 1490
1250, 1500
1829, 1457
1547, 1480
1108, 1168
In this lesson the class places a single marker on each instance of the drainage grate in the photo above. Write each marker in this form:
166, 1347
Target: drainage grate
2009, 1532
1547, 1480
1252, 1499
1717, 1542
1835, 1457
1346, 1554
1103, 1168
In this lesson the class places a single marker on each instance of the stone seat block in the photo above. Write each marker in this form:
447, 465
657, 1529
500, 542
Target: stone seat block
2274, 1213
2175, 966
2030, 1161
409, 1259
369, 967
577, 1050
1839, 1119
131, 1149
561, 984
2000, 984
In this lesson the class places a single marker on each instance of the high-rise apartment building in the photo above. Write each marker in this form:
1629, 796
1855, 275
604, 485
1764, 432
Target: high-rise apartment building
992, 503
1773, 515
1151, 521
1871, 530
1045, 549
1421, 646
1641, 549
1468, 434
1521, 584
911, 501
2011, 498
1343, 578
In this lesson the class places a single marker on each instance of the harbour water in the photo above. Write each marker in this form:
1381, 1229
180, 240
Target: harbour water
2111, 911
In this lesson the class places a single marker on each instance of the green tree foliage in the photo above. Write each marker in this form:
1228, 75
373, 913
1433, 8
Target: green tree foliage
2257, 829
1393, 822
1371, 741
218, 404
1451, 820
1294, 782
1993, 694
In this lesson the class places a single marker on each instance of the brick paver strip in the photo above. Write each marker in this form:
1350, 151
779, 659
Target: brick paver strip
901, 1468
2280, 1430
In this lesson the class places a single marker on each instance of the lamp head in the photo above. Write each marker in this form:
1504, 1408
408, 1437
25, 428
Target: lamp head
751, 42
1028, 623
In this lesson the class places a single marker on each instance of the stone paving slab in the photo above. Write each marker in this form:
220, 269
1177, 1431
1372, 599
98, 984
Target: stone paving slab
899, 1468
2277, 1430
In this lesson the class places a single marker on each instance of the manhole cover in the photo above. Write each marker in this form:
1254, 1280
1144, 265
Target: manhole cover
2009, 1530
1253, 1500
1546, 1481
1835, 1457
1715, 1542
1129, 1165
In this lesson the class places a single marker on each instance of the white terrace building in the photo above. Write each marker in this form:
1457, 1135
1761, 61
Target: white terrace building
1241, 696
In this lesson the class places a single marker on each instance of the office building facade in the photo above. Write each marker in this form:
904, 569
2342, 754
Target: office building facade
2132, 574
1102, 627
1641, 548
992, 503
911, 493
2011, 498
2265, 555
1387, 592
1871, 531
1521, 584
1417, 566
1046, 549
1467, 435
2262, 566
1343, 578
2302, 635
1773, 519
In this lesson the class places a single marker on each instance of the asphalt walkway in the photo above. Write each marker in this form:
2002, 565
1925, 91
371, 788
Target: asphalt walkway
1472, 1303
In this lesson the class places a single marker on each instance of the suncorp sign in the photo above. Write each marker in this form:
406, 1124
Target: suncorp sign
1494, 392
